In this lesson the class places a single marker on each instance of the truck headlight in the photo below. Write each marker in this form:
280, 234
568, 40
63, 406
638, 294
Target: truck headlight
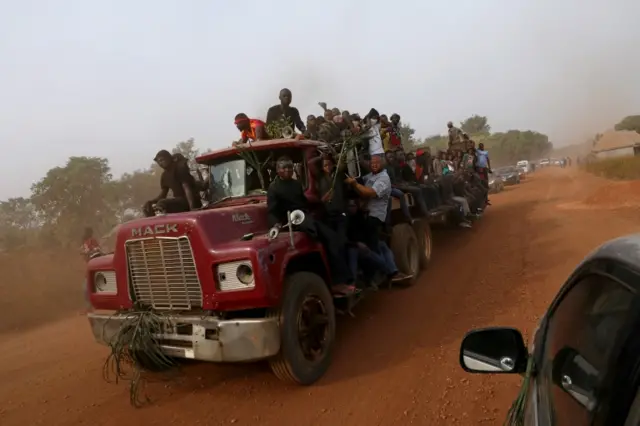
234, 276
105, 282
244, 273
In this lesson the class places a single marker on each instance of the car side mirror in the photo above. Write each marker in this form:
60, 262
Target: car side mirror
497, 350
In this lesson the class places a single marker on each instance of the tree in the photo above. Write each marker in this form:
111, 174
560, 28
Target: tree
132, 190
17, 220
476, 124
188, 149
74, 196
406, 135
631, 122
516, 145
435, 142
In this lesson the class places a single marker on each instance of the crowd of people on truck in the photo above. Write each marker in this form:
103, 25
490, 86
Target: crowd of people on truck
354, 211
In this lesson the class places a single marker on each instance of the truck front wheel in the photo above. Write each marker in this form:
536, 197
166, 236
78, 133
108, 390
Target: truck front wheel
307, 324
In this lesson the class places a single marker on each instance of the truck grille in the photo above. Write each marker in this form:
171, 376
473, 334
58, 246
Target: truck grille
162, 273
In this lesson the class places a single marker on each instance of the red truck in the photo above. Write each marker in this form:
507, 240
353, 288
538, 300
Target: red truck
232, 289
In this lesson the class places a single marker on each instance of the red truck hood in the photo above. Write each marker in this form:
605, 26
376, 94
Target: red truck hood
215, 226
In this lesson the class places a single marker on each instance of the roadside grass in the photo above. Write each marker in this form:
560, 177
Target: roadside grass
621, 168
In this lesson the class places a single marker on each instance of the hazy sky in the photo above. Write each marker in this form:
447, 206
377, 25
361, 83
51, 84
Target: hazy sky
122, 79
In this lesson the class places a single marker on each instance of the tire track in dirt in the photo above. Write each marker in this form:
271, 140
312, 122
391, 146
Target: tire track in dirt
395, 364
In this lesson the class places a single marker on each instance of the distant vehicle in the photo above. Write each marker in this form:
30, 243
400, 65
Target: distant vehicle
524, 165
583, 365
544, 163
496, 184
509, 175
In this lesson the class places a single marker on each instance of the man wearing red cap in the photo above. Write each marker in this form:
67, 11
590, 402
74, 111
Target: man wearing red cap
251, 129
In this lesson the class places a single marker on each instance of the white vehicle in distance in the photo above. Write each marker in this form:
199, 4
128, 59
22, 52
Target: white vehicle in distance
524, 166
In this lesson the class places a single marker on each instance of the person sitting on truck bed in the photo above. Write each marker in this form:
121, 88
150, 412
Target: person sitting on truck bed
251, 129
377, 191
286, 194
284, 111
399, 188
182, 185
407, 175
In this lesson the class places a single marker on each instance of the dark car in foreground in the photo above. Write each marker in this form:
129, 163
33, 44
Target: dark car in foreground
509, 175
583, 367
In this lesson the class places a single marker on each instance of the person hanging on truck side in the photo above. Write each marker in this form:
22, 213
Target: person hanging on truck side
286, 194
377, 190
375, 269
285, 111
483, 167
181, 183
396, 192
251, 129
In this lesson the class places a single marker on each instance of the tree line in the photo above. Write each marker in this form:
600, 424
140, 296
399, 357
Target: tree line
505, 147
84, 192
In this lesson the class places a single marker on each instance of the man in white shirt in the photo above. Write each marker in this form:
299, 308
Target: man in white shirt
375, 140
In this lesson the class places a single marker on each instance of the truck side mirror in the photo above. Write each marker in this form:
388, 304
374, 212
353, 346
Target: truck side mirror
497, 350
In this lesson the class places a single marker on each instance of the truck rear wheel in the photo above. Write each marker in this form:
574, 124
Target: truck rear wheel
307, 324
406, 251
423, 234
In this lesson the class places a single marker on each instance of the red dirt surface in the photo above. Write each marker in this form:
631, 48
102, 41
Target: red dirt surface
615, 194
395, 364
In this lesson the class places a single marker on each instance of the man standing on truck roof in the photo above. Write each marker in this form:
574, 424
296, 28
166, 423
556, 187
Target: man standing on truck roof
395, 137
375, 139
455, 136
377, 190
286, 194
284, 111
251, 129
181, 183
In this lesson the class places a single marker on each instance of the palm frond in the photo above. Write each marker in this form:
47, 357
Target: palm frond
136, 354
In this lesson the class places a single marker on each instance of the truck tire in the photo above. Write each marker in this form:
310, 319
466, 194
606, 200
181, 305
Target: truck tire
307, 325
423, 234
406, 251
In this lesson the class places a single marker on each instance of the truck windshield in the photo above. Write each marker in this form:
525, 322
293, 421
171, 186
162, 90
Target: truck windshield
236, 177
228, 179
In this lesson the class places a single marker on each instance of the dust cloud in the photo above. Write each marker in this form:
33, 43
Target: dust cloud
586, 70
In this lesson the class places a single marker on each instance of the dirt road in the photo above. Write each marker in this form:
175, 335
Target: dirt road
396, 363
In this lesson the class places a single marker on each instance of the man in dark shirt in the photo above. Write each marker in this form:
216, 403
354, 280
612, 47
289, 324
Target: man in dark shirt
398, 181
334, 197
285, 111
286, 194
407, 175
312, 128
175, 177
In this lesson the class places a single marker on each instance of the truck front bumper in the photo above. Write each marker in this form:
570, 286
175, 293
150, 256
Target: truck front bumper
203, 338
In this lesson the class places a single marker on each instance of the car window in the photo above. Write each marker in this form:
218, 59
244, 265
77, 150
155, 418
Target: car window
581, 336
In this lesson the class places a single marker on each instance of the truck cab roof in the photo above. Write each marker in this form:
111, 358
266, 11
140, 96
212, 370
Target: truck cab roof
256, 146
